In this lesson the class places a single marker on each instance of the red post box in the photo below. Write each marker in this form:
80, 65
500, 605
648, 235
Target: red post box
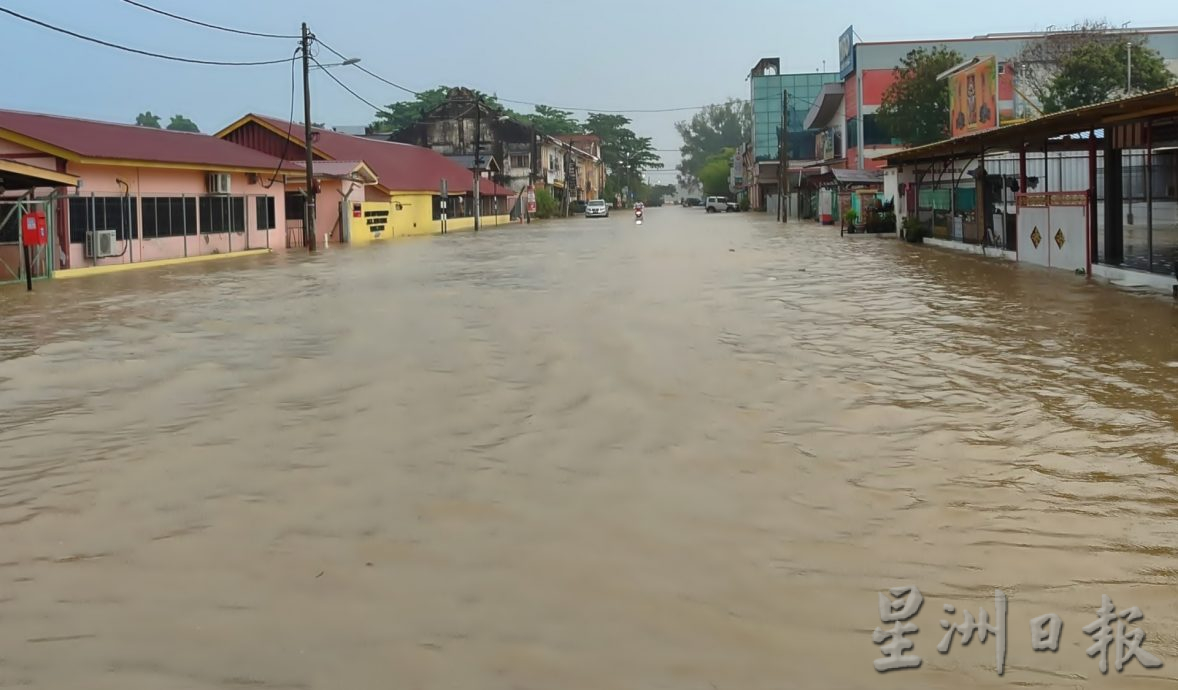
34, 231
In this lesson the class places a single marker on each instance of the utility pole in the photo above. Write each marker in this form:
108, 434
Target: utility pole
531, 174
478, 156
783, 159
309, 209
1129, 69
568, 161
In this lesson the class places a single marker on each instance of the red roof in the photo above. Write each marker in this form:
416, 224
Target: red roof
398, 167
108, 140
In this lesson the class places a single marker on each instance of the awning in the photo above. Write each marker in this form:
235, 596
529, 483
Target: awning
15, 175
824, 106
355, 171
857, 176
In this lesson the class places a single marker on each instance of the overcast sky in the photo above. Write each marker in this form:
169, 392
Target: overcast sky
608, 54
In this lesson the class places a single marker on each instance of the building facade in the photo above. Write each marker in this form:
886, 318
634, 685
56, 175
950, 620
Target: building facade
115, 195
403, 196
867, 69
780, 102
588, 179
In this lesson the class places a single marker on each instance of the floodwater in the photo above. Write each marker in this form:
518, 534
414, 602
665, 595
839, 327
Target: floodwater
581, 455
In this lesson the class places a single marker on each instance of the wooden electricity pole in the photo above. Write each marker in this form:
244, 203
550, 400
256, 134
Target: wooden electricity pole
478, 157
783, 160
309, 209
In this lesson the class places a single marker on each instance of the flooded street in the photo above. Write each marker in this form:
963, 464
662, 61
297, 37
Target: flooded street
581, 455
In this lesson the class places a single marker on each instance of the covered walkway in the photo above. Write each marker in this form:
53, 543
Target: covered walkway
25, 188
1116, 160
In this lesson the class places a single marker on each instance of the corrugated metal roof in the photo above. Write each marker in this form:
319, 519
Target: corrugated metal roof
857, 176
398, 167
107, 140
338, 168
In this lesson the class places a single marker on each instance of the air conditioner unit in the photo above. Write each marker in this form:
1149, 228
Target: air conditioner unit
100, 243
218, 183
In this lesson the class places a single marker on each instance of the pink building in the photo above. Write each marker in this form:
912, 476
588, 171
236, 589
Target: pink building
121, 194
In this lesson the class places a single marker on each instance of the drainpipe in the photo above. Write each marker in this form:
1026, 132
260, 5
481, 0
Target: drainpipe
131, 225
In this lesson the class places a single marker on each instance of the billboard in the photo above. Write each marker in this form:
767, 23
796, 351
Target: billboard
973, 98
847, 52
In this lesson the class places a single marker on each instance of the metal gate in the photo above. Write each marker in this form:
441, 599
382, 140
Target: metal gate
12, 266
1053, 230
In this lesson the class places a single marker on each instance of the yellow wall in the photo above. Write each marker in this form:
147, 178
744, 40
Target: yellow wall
407, 215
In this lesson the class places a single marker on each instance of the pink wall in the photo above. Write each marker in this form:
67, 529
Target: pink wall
327, 207
105, 180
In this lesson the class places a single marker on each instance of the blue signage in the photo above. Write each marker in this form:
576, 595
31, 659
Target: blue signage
847, 52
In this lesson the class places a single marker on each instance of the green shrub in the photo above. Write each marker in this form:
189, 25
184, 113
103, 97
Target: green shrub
546, 204
744, 203
913, 229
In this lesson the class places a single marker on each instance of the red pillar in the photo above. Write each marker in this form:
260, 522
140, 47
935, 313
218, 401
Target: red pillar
1093, 233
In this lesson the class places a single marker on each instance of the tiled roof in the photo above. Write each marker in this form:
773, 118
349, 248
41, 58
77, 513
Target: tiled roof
90, 139
398, 167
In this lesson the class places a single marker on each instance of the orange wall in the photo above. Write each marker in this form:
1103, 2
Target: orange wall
851, 97
876, 81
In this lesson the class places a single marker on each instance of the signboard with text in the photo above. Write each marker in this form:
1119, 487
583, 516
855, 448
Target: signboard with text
973, 98
847, 52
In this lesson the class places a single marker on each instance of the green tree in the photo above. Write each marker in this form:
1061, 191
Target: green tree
915, 108
1096, 71
714, 173
180, 123
711, 130
654, 194
148, 119
625, 154
1043, 60
397, 116
550, 121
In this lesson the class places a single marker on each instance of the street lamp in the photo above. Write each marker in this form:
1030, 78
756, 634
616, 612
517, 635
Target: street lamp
345, 63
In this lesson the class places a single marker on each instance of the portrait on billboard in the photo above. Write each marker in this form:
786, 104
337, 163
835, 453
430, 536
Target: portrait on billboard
973, 98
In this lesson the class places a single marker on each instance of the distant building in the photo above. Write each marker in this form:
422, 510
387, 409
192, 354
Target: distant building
508, 147
867, 69
770, 92
401, 198
587, 174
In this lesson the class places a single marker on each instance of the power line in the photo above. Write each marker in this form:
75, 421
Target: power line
161, 56
367, 71
603, 111
207, 25
345, 87
289, 124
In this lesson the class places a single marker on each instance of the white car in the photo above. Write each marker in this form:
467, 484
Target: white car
718, 204
597, 209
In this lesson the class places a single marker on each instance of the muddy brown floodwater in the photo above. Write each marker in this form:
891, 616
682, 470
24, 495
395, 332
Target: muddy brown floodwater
581, 455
